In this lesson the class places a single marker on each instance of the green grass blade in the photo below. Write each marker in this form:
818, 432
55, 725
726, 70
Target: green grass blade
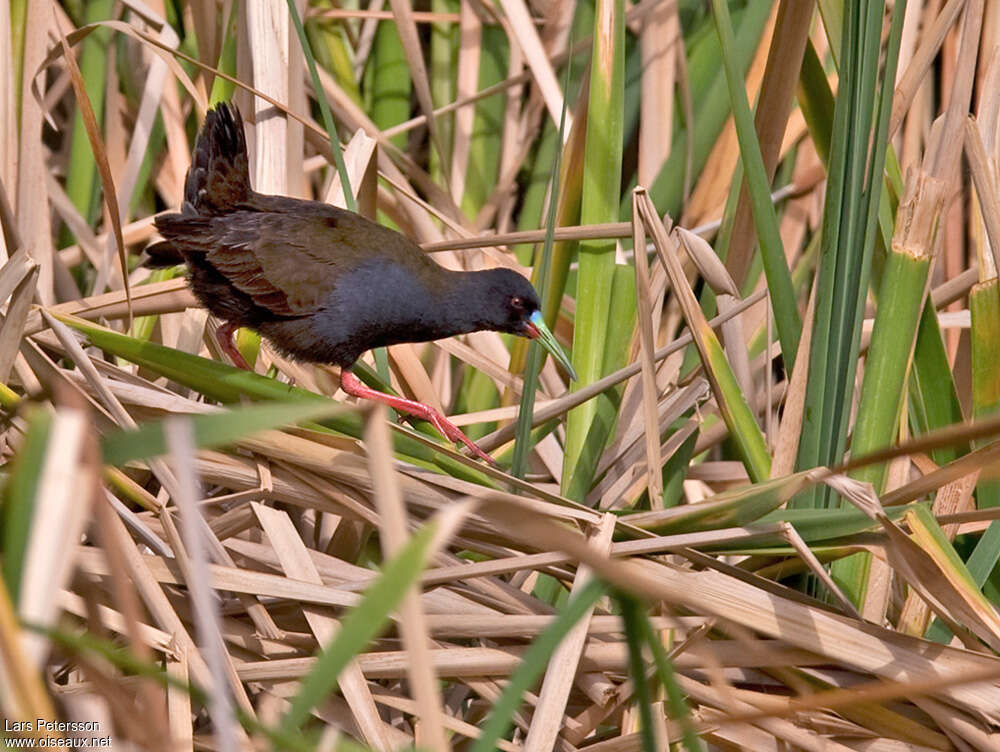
324, 107
143, 326
361, 625
533, 664
984, 305
486, 144
222, 382
19, 495
523, 435
832, 12
327, 39
481, 173
711, 108
853, 192
676, 467
883, 387
213, 430
827, 526
522, 443
618, 338
933, 396
743, 428
388, 82
736, 508
900, 304
601, 188
223, 90
904, 286
927, 533
442, 74
779, 279
570, 198
81, 177
816, 101
679, 709
633, 618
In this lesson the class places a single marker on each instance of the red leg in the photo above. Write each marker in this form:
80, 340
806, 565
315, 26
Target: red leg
353, 386
224, 336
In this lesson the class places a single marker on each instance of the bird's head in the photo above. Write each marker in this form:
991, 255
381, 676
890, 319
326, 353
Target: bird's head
515, 308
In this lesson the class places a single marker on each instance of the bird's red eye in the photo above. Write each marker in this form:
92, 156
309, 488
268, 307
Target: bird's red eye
517, 303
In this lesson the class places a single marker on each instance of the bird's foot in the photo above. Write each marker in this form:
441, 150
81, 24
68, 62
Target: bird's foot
452, 432
225, 335
353, 386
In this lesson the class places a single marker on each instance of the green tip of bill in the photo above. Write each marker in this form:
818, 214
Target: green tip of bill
548, 341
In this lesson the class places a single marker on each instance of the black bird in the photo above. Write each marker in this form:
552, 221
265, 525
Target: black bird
321, 283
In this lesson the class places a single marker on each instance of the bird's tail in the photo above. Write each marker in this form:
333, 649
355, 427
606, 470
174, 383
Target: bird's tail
217, 182
219, 176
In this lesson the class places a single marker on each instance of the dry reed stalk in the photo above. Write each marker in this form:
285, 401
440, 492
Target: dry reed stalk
413, 625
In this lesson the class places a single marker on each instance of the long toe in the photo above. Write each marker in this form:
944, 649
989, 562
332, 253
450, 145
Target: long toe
454, 433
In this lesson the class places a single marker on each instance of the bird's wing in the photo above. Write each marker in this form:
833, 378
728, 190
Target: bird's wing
289, 261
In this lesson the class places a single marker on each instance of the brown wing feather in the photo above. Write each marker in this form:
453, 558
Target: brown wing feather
284, 254
289, 260
287, 254
227, 245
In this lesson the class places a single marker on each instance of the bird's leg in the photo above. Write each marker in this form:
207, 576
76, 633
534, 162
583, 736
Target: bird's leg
225, 336
353, 386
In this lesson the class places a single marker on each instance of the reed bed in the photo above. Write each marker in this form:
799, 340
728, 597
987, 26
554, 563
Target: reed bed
765, 516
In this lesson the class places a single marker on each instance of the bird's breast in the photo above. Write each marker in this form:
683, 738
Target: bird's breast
379, 303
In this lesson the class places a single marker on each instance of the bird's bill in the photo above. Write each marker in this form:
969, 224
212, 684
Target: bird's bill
538, 330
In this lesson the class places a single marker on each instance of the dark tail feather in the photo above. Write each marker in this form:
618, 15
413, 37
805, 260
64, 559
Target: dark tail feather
162, 255
190, 232
217, 182
219, 177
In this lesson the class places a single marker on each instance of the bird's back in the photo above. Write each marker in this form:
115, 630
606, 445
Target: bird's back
255, 257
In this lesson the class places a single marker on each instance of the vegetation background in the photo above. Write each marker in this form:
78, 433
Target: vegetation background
763, 518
